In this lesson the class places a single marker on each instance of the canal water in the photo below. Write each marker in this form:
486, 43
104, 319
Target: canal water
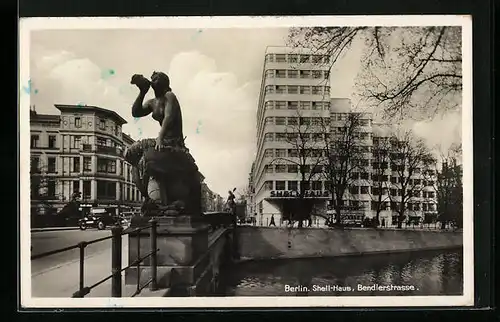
408, 274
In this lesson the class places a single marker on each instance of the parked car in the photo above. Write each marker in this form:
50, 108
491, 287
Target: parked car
98, 218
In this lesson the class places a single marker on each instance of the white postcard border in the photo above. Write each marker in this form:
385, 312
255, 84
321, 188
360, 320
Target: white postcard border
30, 24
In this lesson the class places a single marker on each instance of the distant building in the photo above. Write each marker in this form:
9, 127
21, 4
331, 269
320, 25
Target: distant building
296, 90
80, 151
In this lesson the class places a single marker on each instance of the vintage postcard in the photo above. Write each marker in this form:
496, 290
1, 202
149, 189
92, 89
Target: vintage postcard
316, 161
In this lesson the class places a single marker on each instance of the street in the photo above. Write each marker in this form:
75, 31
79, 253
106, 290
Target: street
51, 240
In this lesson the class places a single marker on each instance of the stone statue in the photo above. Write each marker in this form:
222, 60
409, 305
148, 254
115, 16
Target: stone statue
163, 169
231, 203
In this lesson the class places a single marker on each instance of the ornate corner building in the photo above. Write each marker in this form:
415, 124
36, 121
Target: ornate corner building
80, 151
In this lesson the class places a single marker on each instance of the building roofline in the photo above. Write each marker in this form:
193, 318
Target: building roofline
35, 117
73, 108
127, 137
291, 50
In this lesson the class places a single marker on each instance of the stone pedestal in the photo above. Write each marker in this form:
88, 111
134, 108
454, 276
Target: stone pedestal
182, 244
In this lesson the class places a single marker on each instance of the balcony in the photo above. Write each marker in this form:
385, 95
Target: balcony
110, 150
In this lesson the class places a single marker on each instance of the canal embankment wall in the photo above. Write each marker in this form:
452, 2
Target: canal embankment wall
262, 243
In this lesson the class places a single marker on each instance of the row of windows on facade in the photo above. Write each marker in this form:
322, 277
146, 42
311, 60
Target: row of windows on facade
354, 190
317, 121
105, 190
102, 125
315, 137
292, 168
104, 165
298, 89
297, 58
76, 141
295, 105
294, 73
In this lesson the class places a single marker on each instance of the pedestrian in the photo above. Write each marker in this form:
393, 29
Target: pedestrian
272, 223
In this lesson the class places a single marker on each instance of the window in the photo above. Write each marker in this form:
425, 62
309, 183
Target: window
376, 191
317, 169
76, 186
305, 105
268, 168
78, 122
293, 89
292, 185
269, 73
293, 153
51, 188
268, 153
269, 120
121, 167
326, 59
106, 165
280, 168
280, 58
102, 124
424, 207
280, 105
280, 185
34, 141
305, 58
280, 120
269, 58
292, 168
394, 180
354, 190
293, 105
280, 73
317, 185
431, 194
280, 89
293, 74
76, 141
280, 153
117, 130
269, 105
393, 192
269, 89
305, 121
292, 120
268, 185
76, 164
51, 165
269, 137
316, 106
365, 175
317, 74
305, 89
34, 164
326, 90
316, 90
87, 164
52, 141
355, 176
280, 137
293, 58
305, 74
365, 190
316, 59
106, 189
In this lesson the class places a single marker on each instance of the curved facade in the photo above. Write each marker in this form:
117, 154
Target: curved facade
81, 150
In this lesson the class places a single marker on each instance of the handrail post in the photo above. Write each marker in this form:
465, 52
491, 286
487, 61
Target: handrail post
154, 259
116, 261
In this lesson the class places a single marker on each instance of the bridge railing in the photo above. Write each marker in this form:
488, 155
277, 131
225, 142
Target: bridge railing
117, 233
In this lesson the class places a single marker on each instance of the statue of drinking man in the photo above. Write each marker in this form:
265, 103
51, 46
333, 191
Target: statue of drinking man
164, 171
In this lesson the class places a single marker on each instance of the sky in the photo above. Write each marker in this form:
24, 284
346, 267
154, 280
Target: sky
215, 74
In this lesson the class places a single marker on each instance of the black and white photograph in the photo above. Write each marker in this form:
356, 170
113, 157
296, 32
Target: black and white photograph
318, 161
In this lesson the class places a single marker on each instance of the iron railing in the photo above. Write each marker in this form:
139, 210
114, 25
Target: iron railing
116, 261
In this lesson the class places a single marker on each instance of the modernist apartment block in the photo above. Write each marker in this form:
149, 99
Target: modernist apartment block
295, 92
80, 150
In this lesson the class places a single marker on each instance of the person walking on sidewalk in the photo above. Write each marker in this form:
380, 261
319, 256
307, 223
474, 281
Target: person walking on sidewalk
272, 223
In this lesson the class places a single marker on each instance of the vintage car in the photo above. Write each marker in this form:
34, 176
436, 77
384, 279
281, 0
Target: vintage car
98, 218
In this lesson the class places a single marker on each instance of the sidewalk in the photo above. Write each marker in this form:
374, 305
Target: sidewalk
34, 230
63, 281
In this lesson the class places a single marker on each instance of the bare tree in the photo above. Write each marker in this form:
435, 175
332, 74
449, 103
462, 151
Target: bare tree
409, 157
448, 186
380, 186
343, 156
403, 69
303, 155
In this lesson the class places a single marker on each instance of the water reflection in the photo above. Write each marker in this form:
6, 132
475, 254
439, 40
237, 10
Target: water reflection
422, 273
